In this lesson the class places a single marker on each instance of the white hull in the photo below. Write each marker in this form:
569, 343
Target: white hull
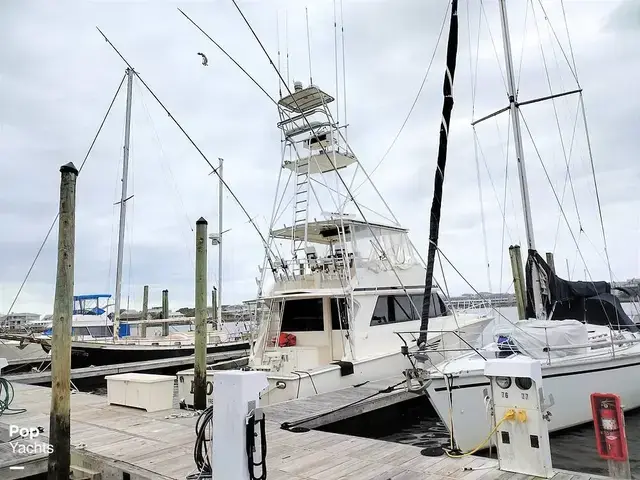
326, 378
309, 382
571, 383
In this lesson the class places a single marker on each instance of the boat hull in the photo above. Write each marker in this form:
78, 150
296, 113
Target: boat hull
86, 354
570, 384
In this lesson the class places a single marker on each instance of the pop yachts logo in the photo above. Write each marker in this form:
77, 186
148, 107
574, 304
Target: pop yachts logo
31, 448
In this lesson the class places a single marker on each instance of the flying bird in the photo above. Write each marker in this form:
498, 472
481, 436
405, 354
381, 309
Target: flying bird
205, 62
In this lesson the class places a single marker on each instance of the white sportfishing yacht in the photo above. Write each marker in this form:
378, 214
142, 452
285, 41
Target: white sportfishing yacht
578, 331
329, 313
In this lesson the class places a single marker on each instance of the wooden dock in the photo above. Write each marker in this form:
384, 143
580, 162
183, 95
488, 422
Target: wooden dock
234, 359
116, 440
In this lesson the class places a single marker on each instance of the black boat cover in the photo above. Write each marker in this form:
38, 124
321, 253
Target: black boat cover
591, 302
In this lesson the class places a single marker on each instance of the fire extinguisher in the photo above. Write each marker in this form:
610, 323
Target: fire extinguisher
611, 429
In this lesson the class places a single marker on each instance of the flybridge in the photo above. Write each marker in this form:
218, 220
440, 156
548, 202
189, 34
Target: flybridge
313, 121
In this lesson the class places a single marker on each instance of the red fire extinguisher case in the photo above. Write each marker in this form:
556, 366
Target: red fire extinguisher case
608, 422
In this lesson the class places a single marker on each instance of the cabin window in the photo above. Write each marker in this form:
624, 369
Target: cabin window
100, 331
381, 312
339, 311
79, 331
398, 308
302, 315
403, 310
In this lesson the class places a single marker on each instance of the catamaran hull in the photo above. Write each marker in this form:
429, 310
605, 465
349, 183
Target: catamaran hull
86, 354
570, 385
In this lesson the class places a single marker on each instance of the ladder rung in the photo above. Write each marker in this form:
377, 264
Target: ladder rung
300, 211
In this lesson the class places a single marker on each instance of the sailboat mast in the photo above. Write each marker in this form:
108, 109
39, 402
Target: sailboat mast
436, 204
220, 225
522, 172
123, 205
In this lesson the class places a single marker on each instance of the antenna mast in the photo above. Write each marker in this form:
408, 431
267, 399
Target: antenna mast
220, 226
123, 205
522, 172
306, 13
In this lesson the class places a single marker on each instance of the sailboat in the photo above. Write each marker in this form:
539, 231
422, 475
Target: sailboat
577, 330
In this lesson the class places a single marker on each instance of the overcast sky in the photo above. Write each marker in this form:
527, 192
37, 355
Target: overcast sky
58, 76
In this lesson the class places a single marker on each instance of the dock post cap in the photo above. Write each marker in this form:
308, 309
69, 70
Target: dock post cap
201, 221
69, 167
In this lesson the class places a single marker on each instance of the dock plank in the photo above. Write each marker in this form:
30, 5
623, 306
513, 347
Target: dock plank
159, 445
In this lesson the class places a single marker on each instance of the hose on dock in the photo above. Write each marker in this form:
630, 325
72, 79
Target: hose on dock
6, 397
200, 449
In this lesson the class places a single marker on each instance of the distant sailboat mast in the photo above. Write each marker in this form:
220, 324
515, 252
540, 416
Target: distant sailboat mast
123, 206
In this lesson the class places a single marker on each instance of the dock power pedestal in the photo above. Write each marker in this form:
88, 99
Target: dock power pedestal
238, 442
520, 415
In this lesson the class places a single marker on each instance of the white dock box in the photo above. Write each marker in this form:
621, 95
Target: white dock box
141, 390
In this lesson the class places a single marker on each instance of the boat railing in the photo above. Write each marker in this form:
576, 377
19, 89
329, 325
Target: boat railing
436, 346
314, 273
531, 350
463, 305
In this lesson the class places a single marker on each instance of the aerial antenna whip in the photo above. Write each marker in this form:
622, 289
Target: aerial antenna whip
344, 76
278, 43
306, 13
286, 40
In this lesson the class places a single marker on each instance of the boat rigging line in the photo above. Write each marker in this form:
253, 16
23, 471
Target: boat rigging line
473, 78
215, 170
53, 223
436, 205
415, 100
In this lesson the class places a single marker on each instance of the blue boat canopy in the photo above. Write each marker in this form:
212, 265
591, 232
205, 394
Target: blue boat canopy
91, 296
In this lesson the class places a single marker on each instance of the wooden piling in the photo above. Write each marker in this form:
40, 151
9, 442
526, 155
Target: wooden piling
518, 287
550, 261
165, 312
200, 363
60, 416
145, 311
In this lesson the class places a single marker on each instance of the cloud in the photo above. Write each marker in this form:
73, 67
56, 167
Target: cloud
58, 75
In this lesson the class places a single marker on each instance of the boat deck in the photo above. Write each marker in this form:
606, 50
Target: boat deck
115, 440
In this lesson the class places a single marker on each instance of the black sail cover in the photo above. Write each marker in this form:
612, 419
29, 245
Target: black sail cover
591, 302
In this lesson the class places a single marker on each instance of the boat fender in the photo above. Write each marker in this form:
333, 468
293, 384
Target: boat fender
346, 368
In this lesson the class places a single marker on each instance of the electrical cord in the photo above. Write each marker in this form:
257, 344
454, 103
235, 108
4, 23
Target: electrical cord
251, 443
509, 415
200, 450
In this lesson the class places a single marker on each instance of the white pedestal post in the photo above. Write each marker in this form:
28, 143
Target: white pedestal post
232, 392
